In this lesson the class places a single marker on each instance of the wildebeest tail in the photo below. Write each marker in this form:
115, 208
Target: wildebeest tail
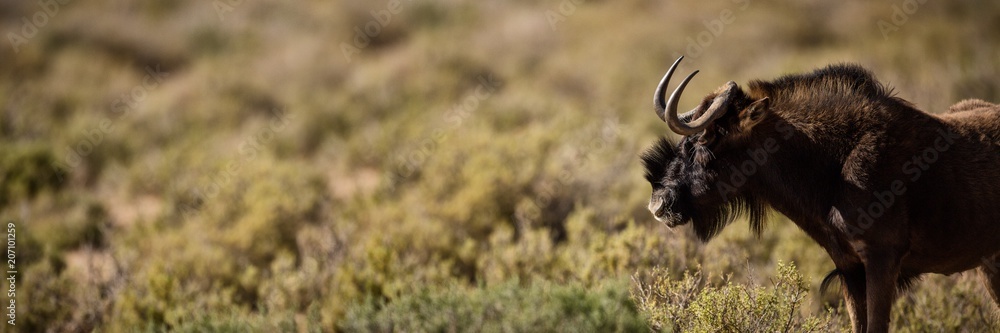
834, 274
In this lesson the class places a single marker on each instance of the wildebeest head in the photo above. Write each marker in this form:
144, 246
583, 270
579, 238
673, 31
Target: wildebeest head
692, 180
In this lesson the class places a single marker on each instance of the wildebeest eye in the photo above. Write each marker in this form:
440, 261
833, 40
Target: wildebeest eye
707, 138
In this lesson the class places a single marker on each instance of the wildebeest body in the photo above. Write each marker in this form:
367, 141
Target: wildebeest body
889, 191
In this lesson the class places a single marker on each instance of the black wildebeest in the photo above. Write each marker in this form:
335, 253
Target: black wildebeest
889, 191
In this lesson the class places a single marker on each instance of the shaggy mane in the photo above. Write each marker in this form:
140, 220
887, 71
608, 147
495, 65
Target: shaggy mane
710, 225
834, 81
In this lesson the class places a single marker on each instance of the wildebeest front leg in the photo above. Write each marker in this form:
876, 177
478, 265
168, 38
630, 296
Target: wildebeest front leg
855, 297
881, 276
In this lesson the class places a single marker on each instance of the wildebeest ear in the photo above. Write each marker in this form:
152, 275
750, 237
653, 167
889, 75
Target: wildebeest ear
752, 114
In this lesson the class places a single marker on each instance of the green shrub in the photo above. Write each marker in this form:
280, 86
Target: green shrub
507, 307
45, 299
946, 304
227, 253
689, 304
26, 170
235, 320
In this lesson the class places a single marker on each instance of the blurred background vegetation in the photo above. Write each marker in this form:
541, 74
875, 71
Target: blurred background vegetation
421, 165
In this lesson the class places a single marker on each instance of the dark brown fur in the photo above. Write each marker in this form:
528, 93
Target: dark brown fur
844, 144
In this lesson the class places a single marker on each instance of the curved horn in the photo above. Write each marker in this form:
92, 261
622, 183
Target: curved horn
668, 111
659, 102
